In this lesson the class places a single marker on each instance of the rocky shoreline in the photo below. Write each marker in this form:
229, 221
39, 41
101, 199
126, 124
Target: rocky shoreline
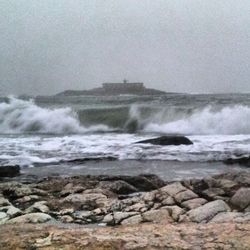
130, 201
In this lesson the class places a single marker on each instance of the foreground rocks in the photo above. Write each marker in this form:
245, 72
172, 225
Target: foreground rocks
126, 200
143, 236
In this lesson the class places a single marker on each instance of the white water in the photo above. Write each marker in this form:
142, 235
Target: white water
233, 120
20, 116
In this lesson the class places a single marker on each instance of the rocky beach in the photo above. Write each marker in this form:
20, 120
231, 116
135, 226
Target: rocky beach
126, 212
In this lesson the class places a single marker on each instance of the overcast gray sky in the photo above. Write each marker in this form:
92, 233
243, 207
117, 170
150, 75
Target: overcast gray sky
47, 46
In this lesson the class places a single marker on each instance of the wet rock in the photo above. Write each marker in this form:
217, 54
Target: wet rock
118, 187
207, 211
9, 171
194, 203
241, 199
31, 218
168, 140
159, 216
241, 161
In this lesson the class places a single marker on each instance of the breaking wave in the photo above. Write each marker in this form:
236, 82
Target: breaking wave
232, 120
19, 116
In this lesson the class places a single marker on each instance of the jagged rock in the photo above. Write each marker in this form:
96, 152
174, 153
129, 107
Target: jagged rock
31, 218
194, 203
9, 171
39, 206
185, 195
207, 211
174, 211
132, 220
168, 140
118, 187
160, 216
173, 189
241, 199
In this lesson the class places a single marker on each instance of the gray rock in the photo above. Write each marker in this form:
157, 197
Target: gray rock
137, 207
241, 199
3, 217
119, 216
161, 215
174, 211
89, 201
173, 189
108, 219
28, 198
213, 192
4, 202
194, 203
169, 201
185, 195
31, 218
67, 219
132, 220
39, 206
207, 211
13, 211
226, 217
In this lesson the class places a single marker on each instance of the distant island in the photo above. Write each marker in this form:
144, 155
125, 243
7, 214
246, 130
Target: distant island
123, 88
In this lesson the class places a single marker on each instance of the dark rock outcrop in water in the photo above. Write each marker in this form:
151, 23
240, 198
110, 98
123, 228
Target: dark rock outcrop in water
9, 171
168, 140
244, 161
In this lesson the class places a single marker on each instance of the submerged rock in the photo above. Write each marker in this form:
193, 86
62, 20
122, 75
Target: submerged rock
168, 140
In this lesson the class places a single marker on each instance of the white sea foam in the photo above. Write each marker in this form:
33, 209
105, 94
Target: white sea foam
19, 116
232, 120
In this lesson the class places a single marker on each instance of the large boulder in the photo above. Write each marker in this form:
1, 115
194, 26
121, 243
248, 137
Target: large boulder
168, 140
9, 171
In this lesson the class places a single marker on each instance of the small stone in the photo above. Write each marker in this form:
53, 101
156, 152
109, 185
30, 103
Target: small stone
38, 207
108, 219
13, 211
29, 198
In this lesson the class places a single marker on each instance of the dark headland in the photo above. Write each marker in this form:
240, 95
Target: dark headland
124, 88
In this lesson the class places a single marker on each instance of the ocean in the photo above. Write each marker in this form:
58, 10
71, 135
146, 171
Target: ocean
65, 135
